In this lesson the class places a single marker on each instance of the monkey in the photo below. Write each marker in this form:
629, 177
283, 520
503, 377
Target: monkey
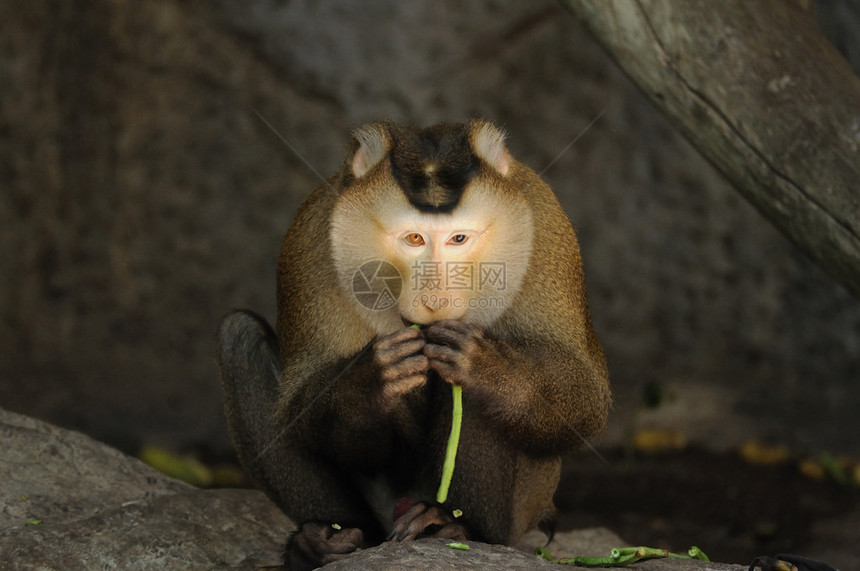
431, 258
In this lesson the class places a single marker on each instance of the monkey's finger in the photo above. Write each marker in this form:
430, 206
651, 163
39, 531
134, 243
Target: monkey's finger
399, 336
459, 326
442, 353
449, 373
414, 511
388, 355
455, 531
402, 528
441, 335
402, 335
424, 517
412, 530
319, 541
402, 386
408, 367
336, 548
346, 540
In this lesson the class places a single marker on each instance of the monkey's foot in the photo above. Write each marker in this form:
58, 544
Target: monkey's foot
315, 543
427, 520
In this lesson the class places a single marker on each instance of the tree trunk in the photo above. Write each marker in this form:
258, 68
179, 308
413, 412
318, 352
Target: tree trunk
760, 92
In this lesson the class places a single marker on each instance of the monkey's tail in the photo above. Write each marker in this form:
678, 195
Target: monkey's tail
548, 522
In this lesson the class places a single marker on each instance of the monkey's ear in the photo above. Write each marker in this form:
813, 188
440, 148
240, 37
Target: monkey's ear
373, 144
488, 142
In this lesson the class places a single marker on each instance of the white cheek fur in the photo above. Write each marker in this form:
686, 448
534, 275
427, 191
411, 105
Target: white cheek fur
500, 231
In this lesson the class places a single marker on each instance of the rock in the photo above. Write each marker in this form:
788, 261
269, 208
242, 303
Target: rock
70, 502
436, 555
433, 554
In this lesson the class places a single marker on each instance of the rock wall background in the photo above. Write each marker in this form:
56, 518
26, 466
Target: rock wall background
142, 197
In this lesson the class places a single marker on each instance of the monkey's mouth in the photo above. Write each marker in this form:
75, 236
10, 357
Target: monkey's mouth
408, 323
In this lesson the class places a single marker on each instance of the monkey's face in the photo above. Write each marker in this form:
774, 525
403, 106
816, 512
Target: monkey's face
466, 264
438, 257
431, 224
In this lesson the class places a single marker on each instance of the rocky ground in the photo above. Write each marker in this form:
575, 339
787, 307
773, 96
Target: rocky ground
732, 509
69, 502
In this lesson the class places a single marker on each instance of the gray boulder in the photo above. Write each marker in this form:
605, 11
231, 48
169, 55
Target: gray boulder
69, 502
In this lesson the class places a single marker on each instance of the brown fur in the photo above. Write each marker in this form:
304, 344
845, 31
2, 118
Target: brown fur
313, 421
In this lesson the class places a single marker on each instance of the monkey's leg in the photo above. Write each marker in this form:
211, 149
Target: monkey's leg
501, 492
303, 485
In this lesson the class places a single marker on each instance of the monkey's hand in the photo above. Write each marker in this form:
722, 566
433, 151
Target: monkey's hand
513, 383
428, 520
401, 363
453, 347
315, 544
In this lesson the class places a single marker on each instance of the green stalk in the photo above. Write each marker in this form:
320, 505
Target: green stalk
453, 442
621, 556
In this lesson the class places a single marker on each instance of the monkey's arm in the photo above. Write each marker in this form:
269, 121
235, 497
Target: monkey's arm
282, 458
544, 396
250, 368
251, 373
353, 409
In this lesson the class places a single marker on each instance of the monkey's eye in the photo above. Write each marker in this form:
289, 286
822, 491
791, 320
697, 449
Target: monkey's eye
414, 239
458, 239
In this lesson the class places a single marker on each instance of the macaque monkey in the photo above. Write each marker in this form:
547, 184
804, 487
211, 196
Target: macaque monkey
343, 416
